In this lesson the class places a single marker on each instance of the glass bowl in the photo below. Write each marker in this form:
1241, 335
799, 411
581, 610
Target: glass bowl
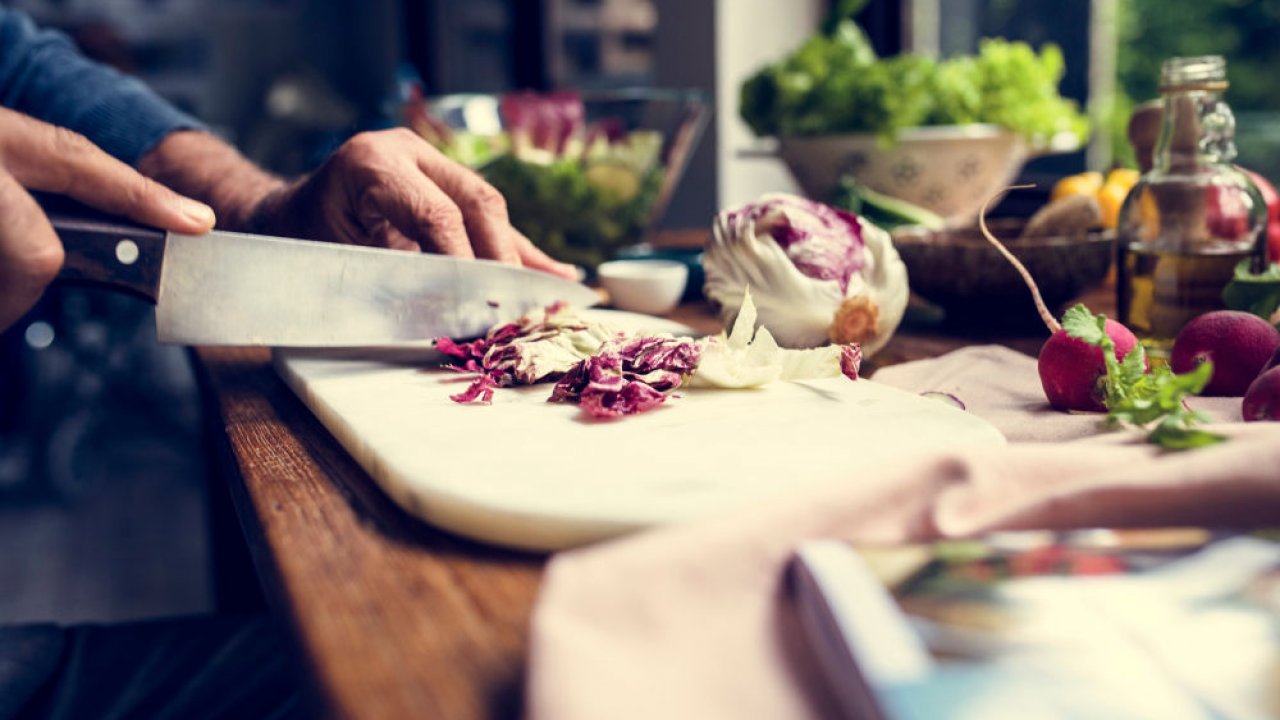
584, 174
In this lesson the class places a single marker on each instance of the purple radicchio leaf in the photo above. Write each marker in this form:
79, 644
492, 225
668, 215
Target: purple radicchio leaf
479, 391
823, 242
626, 377
496, 357
850, 360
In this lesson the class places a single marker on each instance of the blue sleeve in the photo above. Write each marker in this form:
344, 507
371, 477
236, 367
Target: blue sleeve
43, 75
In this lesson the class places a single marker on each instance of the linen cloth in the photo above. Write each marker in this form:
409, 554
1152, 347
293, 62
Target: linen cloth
694, 621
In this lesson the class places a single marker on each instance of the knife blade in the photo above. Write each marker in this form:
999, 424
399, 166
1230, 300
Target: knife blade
227, 288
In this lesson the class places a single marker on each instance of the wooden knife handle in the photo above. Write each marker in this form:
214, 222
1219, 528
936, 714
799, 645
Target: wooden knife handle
106, 250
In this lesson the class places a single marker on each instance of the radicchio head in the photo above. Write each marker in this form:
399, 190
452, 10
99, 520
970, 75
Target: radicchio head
818, 274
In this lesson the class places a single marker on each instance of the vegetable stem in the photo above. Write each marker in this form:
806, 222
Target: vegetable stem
1049, 320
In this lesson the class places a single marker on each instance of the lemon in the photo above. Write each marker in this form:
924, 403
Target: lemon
1124, 177
1110, 198
1085, 183
616, 179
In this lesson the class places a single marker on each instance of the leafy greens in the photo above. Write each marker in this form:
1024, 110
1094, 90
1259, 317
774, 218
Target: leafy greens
1258, 294
835, 83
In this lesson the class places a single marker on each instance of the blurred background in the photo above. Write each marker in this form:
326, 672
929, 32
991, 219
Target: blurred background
103, 494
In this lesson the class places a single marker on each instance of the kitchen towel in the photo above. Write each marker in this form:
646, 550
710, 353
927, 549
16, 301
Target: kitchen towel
1002, 386
695, 621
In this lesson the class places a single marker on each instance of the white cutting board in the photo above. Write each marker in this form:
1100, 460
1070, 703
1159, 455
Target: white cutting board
526, 473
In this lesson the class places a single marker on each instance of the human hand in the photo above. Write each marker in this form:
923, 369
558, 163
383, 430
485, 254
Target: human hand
38, 156
393, 189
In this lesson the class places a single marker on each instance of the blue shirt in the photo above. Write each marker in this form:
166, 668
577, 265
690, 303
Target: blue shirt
43, 75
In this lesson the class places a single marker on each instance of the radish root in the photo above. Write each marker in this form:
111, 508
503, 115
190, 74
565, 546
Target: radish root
1049, 320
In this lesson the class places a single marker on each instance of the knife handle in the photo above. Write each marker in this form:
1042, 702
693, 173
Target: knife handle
105, 250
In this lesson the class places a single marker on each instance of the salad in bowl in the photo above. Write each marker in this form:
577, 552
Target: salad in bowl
584, 174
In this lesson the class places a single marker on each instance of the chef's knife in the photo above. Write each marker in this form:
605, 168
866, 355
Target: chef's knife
226, 288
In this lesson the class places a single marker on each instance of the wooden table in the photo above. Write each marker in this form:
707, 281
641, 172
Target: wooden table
396, 619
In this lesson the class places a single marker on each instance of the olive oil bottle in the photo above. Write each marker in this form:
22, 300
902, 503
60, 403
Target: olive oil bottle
1161, 291
1193, 216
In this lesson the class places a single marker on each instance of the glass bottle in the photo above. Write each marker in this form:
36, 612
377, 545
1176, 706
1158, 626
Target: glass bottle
1193, 216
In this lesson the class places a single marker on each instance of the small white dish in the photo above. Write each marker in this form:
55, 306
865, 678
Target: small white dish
653, 287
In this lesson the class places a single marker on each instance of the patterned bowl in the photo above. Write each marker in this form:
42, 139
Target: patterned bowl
958, 270
951, 169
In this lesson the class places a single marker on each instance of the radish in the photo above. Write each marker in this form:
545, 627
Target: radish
1272, 199
1238, 343
1262, 399
1072, 371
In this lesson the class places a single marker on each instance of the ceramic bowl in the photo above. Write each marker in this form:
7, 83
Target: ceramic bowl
653, 287
951, 170
958, 270
688, 256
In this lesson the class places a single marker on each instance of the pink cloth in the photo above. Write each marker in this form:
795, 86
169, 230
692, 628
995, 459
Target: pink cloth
693, 621
1002, 386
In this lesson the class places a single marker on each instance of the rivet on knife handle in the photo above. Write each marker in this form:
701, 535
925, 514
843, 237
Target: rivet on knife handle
107, 251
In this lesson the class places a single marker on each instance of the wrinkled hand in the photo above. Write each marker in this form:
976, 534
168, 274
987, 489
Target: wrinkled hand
393, 189
38, 156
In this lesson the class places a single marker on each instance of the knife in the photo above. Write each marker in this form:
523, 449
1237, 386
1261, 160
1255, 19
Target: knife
226, 288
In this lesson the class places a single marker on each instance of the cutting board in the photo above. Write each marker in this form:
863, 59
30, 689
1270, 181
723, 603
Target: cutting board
529, 474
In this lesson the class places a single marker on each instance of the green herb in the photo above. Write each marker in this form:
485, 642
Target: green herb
1258, 294
1154, 399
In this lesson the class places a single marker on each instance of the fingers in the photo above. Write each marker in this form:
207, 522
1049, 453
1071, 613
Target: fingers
53, 159
534, 258
403, 191
417, 209
484, 210
30, 253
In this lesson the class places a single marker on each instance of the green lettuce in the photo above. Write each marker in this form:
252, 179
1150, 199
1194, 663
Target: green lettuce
835, 83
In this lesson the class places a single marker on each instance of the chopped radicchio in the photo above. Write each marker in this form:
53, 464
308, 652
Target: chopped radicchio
538, 347
545, 120
850, 360
610, 374
628, 375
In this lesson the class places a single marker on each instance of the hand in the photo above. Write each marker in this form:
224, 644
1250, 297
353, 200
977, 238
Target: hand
38, 156
393, 189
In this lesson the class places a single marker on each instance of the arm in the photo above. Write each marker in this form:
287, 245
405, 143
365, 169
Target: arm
390, 189
42, 75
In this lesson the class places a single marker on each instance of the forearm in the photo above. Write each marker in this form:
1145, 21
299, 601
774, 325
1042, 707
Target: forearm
200, 165
44, 76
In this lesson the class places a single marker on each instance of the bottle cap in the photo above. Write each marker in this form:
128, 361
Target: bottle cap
1206, 72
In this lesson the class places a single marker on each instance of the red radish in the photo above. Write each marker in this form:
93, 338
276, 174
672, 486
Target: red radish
1227, 211
1272, 199
1071, 370
1238, 343
1262, 400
